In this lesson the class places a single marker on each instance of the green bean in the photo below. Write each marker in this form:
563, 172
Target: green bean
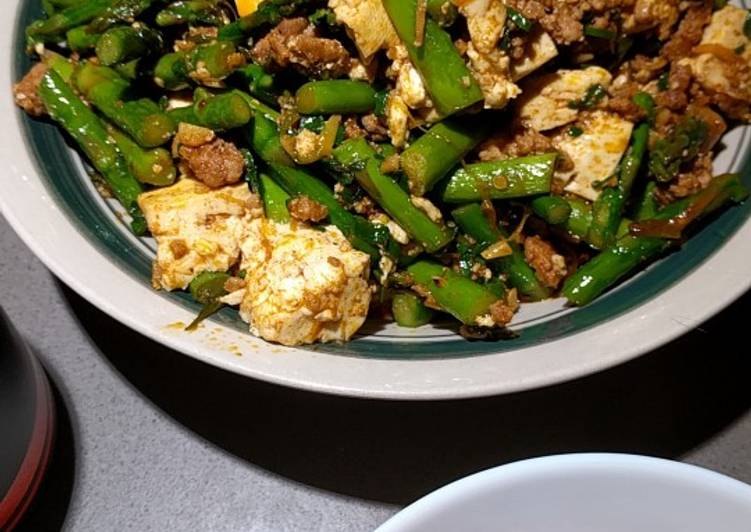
67, 109
447, 79
339, 96
504, 179
437, 152
359, 158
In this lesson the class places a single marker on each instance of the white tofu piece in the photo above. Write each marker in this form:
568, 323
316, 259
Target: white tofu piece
714, 73
367, 23
486, 21
303, 285
595, 153
196, 228
540, 49
544, 103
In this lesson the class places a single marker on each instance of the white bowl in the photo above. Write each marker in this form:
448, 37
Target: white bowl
584, 493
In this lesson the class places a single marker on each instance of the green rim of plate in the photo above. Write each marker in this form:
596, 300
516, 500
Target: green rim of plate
62, 176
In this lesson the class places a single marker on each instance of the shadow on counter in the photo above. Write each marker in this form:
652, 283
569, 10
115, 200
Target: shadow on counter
661, 404
49, 508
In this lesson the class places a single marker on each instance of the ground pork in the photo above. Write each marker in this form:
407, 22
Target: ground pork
296, 42
307, 209
216, 164
26, 92
549, 266
689, 32
688, 182
503, 310
520, 142
675, 97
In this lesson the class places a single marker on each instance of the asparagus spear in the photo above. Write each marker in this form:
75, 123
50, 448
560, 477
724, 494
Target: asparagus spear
206, 63
217, 112
505, 179
258, 82
456, 294
274, 200
264, 139
409, 310
553, 209
207, 12
608, 208
123, 43
66, 108
356, 156
80, 40
630, 251
472, 220
55, 26
437, 152
364, 236
117, 12
580, 218
447, 79
648, 206
340, 96
60, 64
142, 119
207, 288
153, 167
268, 12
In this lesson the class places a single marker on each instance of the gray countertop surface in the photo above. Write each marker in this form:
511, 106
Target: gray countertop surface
149, 439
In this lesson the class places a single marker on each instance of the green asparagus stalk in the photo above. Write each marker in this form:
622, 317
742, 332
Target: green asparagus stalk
274, 200
55, 26
218, 112
472, 220
117, 12
59, 64
409, 310
608, 208
123, 43
130, 70
362, 234
67, 109
437, 152
456, 294
264, 139
153, 167
447, 79
80, 40
258, 82
207, 64
553, 209
630, 251
648, 206
505, 179
142, 119
359, 158
340, 96
208, 12
207, 288
269, 12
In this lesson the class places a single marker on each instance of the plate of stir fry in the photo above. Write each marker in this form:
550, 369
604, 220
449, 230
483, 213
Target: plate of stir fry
391, 198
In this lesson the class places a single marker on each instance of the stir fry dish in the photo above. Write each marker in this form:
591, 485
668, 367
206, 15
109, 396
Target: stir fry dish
315, 162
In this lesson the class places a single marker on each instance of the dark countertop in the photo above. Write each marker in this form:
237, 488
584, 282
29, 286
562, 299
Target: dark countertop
149, 439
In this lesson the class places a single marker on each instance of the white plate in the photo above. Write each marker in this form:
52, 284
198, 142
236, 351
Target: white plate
583, 493
90, 249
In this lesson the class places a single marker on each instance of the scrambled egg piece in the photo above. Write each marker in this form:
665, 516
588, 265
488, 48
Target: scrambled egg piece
196, 228
540, 49
367, 23
246, 7
486, 20
595, 153
544, 103
303, 285
726, 73
492, 73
